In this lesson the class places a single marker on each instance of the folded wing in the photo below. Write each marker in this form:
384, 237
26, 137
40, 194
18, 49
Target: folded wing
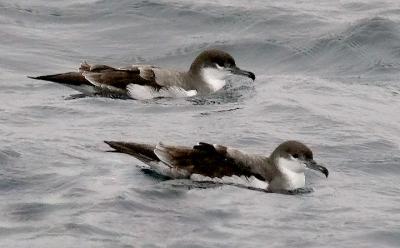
115, 79
107, 81
204, 159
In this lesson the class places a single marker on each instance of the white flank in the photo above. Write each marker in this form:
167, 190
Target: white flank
232, 180
141, 92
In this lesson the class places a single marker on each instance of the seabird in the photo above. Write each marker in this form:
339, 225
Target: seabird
207, 74
283, 170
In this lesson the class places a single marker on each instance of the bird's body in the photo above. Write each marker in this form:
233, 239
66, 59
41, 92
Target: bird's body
281, 170
207, 74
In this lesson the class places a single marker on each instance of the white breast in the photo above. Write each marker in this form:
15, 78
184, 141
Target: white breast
292, 175
215, 77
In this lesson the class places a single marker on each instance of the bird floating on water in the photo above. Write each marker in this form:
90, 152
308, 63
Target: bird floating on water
207, 74
283, 170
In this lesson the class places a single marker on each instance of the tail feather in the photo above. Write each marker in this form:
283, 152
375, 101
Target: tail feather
143, 152
69, 78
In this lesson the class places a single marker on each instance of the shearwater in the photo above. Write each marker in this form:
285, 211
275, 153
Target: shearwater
207, 74
283, 170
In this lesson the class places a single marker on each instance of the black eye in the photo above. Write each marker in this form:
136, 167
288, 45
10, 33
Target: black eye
295, 155
219, 63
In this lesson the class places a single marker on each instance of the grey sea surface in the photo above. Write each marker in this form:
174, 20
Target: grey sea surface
327, 75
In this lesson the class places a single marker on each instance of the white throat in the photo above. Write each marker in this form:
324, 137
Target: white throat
292, 175
215, 77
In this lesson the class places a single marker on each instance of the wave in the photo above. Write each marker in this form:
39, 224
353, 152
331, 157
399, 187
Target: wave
369, 46
271, 40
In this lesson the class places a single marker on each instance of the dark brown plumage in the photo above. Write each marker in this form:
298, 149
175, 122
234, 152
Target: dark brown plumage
143, 152
211, 57
69, 78
203, 159
103, 76
293, 148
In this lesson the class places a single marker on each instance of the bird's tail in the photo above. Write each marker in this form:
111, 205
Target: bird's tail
143, 152
68, 78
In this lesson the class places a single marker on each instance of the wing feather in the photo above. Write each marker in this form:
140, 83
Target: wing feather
114, 79
208, 160
214, 161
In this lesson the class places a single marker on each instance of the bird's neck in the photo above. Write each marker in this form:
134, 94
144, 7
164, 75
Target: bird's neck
207, 80
286, 178
214, 78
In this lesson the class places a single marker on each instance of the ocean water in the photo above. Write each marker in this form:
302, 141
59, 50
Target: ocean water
327, 75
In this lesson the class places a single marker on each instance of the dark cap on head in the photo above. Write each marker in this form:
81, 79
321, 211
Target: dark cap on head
210, 57
213, 58
294, 148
